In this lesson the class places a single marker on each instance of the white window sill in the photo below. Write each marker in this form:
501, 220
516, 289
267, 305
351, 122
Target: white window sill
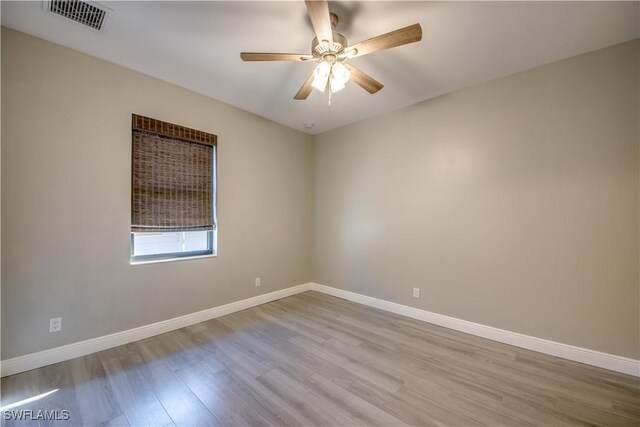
185, 258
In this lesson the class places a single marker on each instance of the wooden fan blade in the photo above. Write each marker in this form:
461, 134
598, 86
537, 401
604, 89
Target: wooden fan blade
256, 56
305, 90
406, 35
363, 80
320, 19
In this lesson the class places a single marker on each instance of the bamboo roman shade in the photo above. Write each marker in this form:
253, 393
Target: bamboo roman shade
172, 177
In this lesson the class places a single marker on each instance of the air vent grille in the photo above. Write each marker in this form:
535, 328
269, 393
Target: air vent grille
82, 12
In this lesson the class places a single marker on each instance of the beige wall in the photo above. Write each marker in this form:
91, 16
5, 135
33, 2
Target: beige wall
512, 204
66, 200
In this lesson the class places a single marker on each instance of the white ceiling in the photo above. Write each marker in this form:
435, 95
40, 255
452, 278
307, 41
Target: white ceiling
196, 45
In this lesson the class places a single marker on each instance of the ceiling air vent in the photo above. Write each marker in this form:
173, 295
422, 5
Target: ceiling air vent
89, 14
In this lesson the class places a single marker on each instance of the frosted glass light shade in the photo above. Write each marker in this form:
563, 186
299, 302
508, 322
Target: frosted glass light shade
321, 75
340, 73
336, 85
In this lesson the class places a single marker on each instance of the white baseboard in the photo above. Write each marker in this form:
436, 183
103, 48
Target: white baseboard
577, 354
565, 351
82, 348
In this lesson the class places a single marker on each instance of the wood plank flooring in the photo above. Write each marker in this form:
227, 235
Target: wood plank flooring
313, 359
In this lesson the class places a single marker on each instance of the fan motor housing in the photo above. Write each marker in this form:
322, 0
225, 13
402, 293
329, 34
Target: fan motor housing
339, 43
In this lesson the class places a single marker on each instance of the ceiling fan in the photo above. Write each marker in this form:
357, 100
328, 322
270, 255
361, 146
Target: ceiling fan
331, 50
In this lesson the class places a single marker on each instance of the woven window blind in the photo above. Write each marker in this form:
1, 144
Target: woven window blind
172, 177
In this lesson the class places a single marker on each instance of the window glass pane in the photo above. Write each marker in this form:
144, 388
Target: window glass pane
178, 242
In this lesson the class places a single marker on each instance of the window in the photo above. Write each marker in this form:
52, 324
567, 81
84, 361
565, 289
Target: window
173, 192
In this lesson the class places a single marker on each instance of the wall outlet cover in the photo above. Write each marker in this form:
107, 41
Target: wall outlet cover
416, 292
55, 324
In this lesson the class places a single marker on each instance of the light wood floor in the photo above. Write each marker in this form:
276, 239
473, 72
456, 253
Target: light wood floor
312, 359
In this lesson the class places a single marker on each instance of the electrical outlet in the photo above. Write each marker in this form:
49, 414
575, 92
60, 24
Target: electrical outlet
257, 281
55, 324
416, 292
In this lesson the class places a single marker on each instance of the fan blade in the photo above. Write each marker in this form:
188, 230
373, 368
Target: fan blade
305, 90
363, 80
255, 56
320, 19
406, 35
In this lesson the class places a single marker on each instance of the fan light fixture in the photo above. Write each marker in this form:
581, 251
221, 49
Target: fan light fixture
337, 75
